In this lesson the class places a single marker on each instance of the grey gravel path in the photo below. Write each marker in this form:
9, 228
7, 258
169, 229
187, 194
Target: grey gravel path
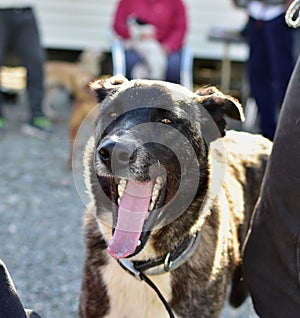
40, 221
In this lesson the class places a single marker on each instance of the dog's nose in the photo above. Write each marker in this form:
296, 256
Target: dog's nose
116, 155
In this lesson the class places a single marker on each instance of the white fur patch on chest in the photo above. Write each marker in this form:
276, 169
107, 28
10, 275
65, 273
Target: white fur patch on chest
131, 298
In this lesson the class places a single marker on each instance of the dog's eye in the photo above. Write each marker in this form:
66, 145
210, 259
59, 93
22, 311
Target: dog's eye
166, 121
113, 115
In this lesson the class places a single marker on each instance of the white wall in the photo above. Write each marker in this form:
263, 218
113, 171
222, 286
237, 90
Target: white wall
78, 24
75, 24
206, 14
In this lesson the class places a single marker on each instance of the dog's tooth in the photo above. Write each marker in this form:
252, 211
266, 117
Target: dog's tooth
123, 182
119, 201
155, 191
139, 243
151, 205
157, 186
121, 187
121, 190
159, 180
154, 197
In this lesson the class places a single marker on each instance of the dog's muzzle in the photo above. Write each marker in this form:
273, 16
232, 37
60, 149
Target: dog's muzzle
117, 156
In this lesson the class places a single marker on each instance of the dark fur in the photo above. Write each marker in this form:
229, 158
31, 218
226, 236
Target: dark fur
198, 287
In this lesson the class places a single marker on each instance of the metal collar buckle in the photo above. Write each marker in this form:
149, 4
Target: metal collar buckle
129, 267
168, 263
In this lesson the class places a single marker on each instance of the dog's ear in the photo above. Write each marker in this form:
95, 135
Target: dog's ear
219, 105
106, 86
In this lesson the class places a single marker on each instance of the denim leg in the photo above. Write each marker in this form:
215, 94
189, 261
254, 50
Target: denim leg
173, 68
27, 44
259, 71
281, 56
5, 29
132, 58
270, 65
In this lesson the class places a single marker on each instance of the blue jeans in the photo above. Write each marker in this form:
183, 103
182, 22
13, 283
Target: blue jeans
173, 65
18, 29
270, 66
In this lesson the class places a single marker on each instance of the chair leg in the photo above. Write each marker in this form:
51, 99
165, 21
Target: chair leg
118, 58
250, 114
186, 68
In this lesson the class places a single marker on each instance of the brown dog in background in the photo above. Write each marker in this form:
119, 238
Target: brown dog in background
75, 78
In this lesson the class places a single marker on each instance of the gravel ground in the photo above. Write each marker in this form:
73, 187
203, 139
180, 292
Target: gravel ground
41, 220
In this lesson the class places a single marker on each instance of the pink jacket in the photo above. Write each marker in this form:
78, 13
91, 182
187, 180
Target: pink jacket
168, 16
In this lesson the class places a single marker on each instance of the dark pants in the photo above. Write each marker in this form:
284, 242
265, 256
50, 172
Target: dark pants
270, 65
10, 304
173, 65
18, 29
272, 253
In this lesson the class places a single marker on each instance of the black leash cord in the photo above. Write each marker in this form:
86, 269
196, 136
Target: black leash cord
151, 284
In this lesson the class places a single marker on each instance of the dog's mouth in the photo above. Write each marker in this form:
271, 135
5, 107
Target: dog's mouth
138, 203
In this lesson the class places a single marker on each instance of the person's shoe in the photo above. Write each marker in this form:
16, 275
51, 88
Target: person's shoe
2, 125
38, 127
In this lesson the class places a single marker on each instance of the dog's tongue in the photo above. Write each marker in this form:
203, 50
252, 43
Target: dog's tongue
132, 213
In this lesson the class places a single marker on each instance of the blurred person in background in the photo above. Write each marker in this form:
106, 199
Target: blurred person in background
271, 57
153, 32
19, 30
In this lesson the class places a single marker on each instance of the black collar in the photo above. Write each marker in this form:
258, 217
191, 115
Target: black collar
167, 263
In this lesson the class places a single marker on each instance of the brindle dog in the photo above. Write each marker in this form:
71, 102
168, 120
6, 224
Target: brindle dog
171, 198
